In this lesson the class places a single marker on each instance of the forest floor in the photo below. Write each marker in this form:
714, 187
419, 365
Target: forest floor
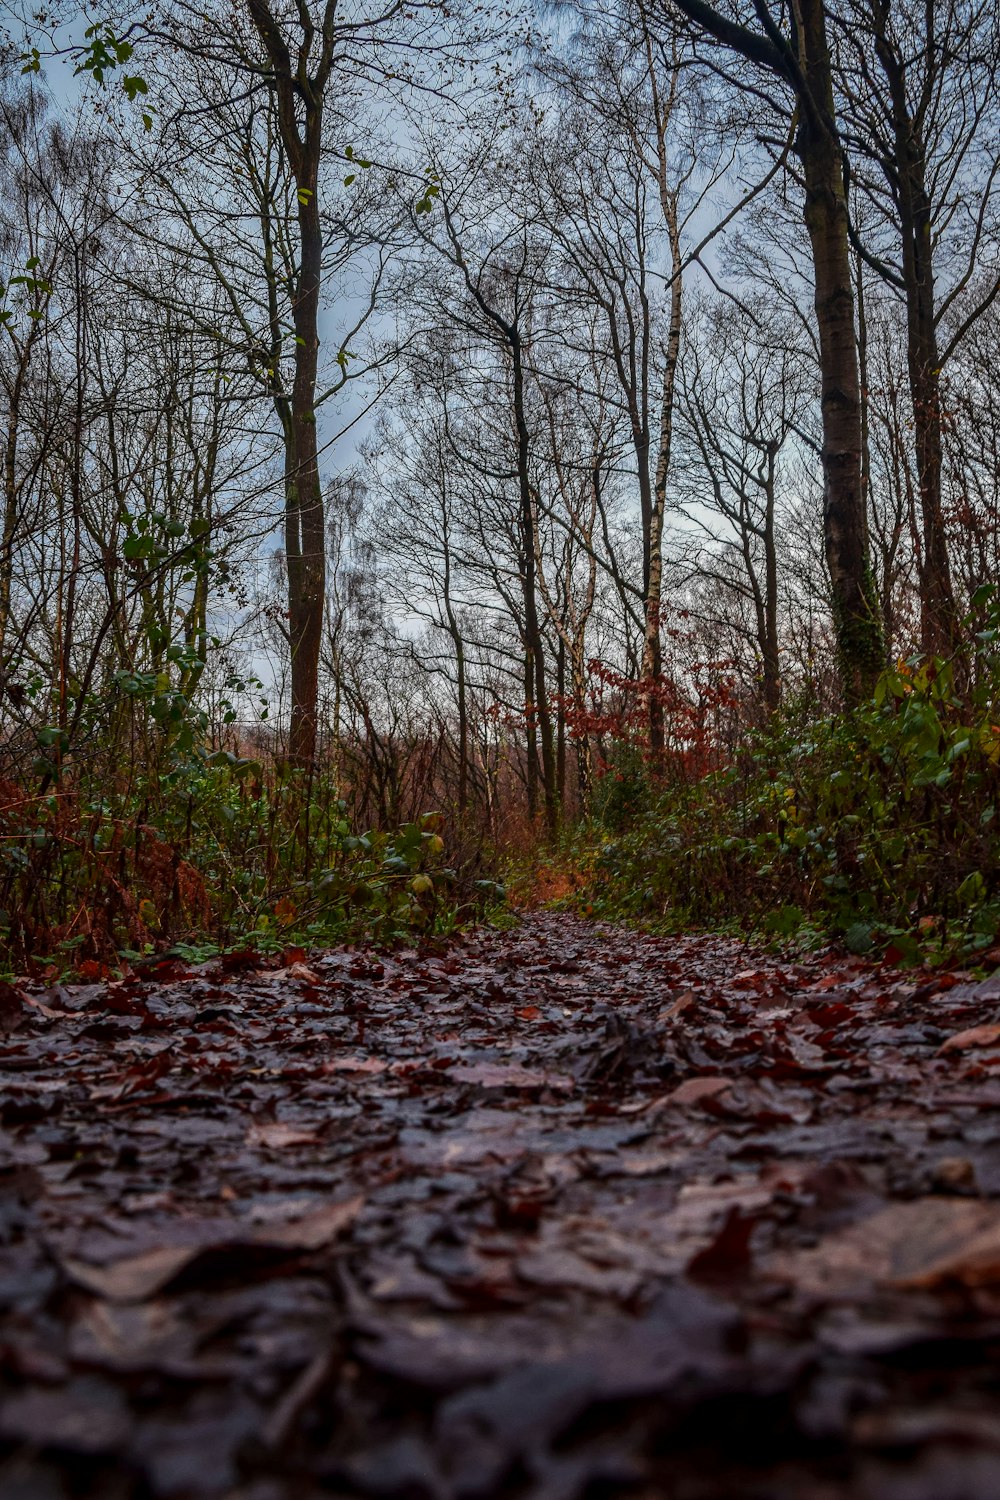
558, 1212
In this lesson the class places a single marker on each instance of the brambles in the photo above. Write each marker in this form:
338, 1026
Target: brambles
877, 825
207, 849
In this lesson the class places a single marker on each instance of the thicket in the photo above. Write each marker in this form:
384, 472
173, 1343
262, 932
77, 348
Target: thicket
143, 839
877, 825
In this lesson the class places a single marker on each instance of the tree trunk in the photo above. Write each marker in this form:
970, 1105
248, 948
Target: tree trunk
769, 643
652, 657
463, 732
23, 351
584, 753
652, 660
939, 623
845, 524
530, 736
561, 722
299, 99
462, 699
10, 500
805, 67
534, 645
303, 495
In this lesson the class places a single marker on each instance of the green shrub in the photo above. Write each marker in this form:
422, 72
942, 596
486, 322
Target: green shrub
877, 825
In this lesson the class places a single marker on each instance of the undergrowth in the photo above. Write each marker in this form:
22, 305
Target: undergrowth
126, 831
878, 827
239, 859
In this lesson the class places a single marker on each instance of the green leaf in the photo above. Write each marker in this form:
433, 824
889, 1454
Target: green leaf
858, 938
785, 921
972, 890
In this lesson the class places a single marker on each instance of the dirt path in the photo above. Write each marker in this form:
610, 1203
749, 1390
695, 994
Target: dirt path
560, 1212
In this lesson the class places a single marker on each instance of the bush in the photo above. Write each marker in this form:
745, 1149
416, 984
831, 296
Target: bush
207, 853
878, 825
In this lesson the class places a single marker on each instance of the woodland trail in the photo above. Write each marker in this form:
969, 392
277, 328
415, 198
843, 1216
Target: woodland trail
561, 1212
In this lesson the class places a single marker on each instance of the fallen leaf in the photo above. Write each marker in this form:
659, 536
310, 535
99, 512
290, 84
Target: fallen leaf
508, 1076
965, 1041
134, 1278
693, 1090
276, 1134
925, 1242
976, 1262
729, 1251
680, 1004
303, 972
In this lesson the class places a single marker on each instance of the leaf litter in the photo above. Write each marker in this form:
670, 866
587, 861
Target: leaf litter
557, 1212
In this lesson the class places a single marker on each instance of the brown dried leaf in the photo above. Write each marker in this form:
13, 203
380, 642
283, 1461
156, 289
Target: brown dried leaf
694, 1090
966, 1041
508, 1076
680, 1004
303, 972
925, 1243
134, 1278
277, 1134
355, 1065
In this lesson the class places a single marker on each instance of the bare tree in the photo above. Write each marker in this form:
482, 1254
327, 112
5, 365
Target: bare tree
794, 48
919, 89
743, 390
